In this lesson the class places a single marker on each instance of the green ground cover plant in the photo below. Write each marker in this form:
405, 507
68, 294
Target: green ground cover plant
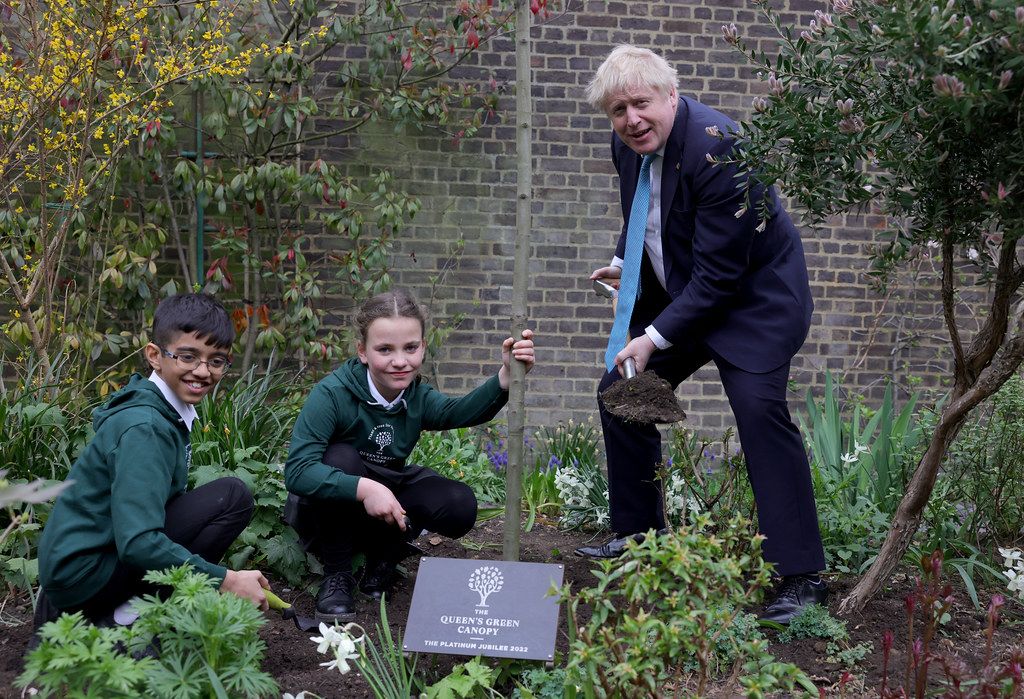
206, 645
666, 604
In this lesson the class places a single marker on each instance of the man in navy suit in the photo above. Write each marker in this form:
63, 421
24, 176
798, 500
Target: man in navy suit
717, 284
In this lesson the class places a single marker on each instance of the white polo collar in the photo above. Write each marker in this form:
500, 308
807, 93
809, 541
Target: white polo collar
186, 411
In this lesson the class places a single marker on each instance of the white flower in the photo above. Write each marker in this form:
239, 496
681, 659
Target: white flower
1010, 555
973, 254
341, 642
328, 637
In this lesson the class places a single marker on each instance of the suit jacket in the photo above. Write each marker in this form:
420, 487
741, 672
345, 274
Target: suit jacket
743, 292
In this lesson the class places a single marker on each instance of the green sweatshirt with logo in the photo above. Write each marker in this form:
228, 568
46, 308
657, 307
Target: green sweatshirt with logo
115, 506
341, 409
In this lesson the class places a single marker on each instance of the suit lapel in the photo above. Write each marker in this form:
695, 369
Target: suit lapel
670, 170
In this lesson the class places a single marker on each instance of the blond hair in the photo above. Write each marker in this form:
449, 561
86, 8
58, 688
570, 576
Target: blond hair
629, 67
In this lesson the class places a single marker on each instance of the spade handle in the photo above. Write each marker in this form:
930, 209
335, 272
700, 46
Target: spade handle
629, 367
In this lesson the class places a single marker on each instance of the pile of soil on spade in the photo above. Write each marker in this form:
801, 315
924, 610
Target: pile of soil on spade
646, 398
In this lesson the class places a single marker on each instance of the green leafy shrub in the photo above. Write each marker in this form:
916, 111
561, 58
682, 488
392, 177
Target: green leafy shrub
207, 645
457, 454
540, 683
75, 658
665, 605
859, 463
705, 475
986, 467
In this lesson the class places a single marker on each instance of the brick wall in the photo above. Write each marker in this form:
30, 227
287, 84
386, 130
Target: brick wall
468, 194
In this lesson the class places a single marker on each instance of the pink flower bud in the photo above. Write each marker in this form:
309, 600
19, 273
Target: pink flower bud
851, 125
1004, 78
776, 86
1004, 43
842, 7
909, 601
760, 104
731, 34
1019, 14
824, 19
887, 640
948, 86
845, 107
713, 131
1001, 191
806, 36
710, 158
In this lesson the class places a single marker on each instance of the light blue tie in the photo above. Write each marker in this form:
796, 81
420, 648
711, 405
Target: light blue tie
630, 281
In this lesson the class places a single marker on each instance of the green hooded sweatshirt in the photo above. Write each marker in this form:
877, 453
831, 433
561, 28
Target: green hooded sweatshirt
341, 409
115, 506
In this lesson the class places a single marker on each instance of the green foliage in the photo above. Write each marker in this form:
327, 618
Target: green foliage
75, 658
245, 430
986, 467
384, 665
913, 106
469, 680
260, 190
456, 454
860, 462
42, 427
208, 647
573, 451
666, 603
540, 683
815, 622
209, 642
705, 475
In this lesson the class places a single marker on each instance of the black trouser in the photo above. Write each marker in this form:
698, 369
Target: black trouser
206, 521
775, 456
334, 530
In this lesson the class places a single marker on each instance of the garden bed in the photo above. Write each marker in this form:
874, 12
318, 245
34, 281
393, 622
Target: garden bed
293, 661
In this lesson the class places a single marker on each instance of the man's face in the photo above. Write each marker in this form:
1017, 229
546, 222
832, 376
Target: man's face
642, 116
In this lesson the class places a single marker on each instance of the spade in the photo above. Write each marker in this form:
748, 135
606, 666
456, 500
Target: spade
645, 398
303, 623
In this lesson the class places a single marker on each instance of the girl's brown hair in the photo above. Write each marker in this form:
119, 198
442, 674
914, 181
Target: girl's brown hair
397, 303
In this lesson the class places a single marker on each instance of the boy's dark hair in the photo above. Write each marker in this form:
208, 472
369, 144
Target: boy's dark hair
397, 303
187, 313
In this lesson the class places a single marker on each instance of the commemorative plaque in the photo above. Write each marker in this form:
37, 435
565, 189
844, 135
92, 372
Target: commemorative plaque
503, 609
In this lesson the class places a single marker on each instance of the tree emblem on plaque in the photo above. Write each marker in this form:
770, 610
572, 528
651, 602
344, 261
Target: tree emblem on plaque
484, 581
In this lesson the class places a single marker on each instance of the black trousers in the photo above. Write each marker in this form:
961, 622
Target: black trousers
206, 521
334, 530
776, 460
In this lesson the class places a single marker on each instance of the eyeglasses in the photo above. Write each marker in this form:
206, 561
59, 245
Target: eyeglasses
187, 360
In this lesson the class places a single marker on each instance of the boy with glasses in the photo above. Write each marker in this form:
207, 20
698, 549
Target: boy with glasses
127, 510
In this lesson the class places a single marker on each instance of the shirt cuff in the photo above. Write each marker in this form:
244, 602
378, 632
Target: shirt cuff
616, 262
659, 341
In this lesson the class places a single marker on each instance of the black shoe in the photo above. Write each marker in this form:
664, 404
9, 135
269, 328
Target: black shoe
613, 548
378, 576
794, 594
334, 601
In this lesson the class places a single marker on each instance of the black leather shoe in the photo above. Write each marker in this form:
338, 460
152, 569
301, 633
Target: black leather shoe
794, 594
378, 577
613, 548
334, 601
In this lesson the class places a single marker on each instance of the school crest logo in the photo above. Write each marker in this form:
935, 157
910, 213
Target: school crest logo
382, 436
